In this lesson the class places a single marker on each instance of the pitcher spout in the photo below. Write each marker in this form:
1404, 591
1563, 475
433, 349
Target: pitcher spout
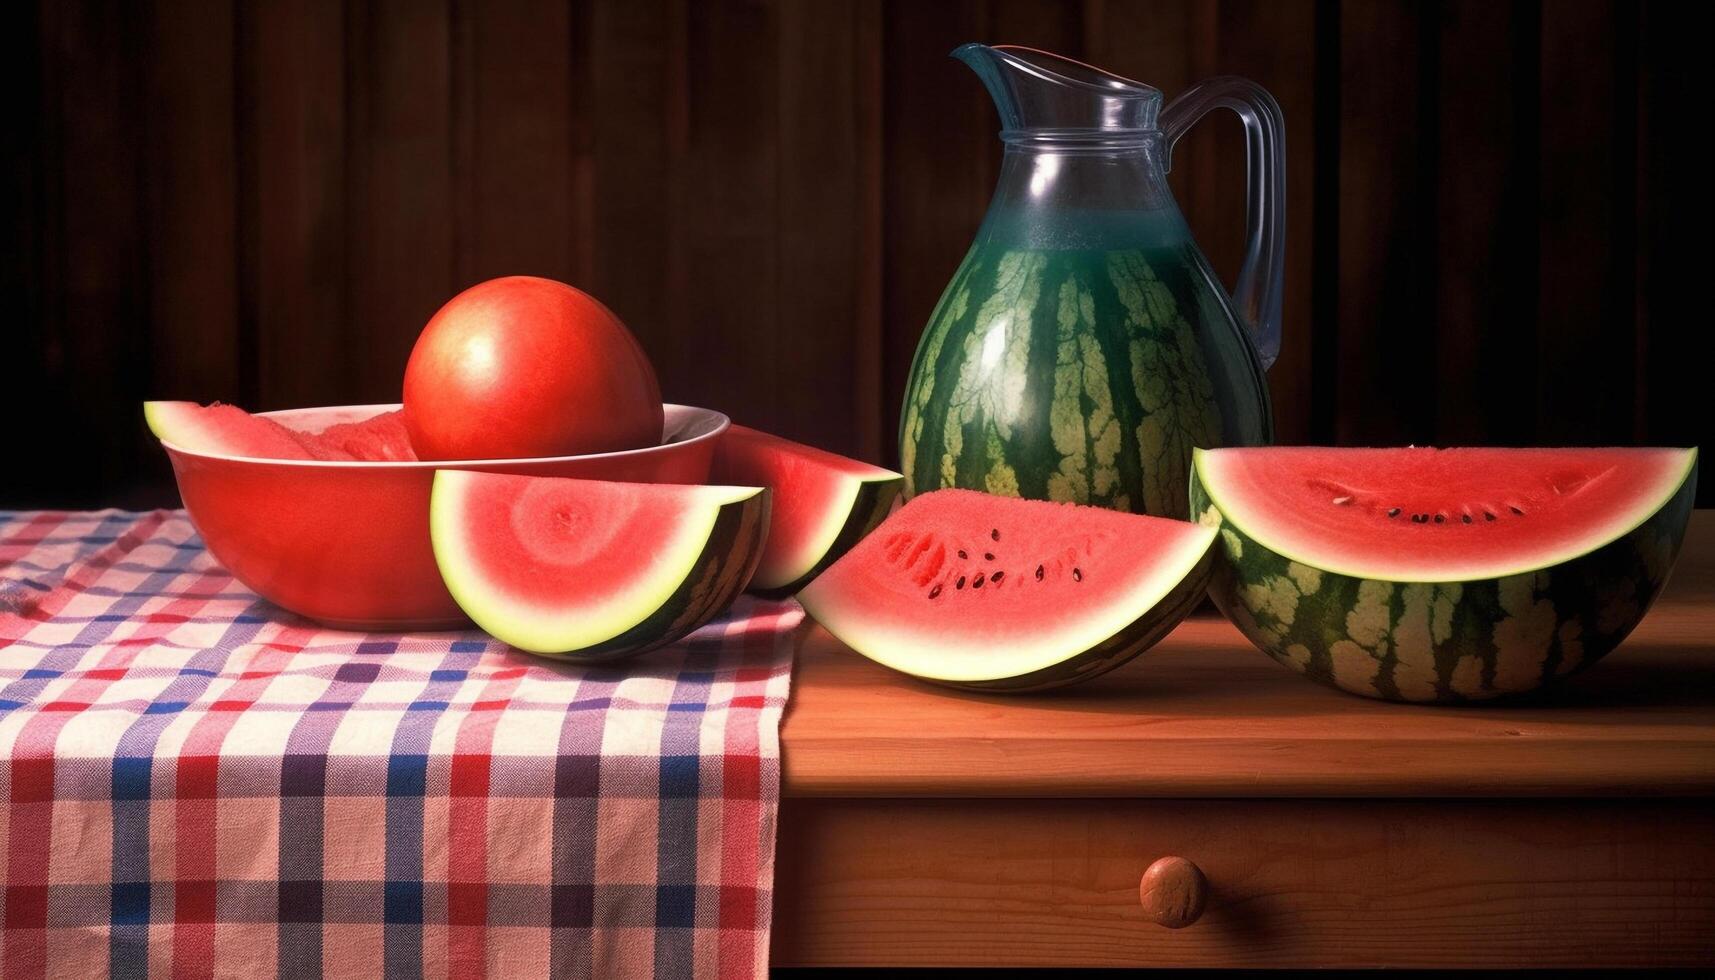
1035, 92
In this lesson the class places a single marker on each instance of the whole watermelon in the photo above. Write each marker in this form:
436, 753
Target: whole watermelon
1081, 375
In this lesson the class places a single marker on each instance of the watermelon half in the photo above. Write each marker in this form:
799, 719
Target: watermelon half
823, 504
997, 593
1441, 574
588, 570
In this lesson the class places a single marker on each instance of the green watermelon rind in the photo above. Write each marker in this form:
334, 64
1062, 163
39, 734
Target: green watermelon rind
1443, 641
1100, 391
1060, 664
872, 498
697, 593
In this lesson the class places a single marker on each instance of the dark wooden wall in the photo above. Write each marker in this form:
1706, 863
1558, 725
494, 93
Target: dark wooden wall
1498, 232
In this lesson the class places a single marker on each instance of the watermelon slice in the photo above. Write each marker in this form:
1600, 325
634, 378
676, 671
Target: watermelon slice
587, 570
823, 503
230, 431
996, 593
379, 438
1441, 574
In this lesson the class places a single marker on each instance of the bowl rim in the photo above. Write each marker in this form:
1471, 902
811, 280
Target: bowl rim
720, 419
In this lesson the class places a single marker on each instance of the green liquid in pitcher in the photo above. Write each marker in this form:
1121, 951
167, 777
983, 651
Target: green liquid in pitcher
1080, 359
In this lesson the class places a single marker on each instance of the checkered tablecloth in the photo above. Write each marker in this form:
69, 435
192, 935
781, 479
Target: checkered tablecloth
194, 783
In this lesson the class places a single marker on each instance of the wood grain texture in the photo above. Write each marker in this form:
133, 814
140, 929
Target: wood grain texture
1387, 256
191, 204
1503, 883
399, 223
1674, 401
1492, 230
1205, 714
1485, 211
294, 99
1586, 232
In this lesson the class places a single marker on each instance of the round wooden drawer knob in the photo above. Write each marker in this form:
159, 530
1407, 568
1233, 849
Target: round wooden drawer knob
1173, 892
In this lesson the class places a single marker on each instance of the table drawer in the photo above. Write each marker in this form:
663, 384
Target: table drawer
1290, 882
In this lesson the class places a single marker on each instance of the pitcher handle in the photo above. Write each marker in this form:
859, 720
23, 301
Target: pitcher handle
1258, 292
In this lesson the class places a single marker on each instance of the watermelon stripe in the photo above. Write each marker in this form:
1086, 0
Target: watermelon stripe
1079, 375
1443, 641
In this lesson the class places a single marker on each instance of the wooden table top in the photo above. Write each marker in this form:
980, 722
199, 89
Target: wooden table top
1205, 714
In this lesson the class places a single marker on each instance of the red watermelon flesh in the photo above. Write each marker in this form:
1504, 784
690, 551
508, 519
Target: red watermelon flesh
1438, 515
231, 431
381, 438
590, 568
967, 588
823, 503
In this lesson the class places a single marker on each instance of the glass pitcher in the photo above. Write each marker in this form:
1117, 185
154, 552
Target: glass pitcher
1085, 347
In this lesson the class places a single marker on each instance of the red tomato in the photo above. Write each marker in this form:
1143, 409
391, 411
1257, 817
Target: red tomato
521, 366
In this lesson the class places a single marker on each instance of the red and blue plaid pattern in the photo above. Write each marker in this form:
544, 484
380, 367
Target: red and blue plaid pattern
194, 783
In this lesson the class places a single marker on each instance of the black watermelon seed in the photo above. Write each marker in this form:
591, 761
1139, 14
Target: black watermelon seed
997, 576
1418, 518
960, 583
1038, 573
988, 556
995, 533
1515, 510
1466, 518
934, 592
1393, 512
1077, 575
977, 582
962, 553
1488, 516
1440, 517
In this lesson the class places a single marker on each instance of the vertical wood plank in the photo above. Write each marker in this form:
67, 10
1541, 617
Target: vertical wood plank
1672, 315
1485, 230
629, 66
874, 413
513, 139
264, 201
1322, 327
92, 239
1586, 229
191, 201
400, 184
1387, 242
293, 58
1211, 156
23, 152
940, 131
1269, 42
729, 341
820, 216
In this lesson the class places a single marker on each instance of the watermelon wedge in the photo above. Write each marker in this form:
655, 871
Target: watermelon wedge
997, 593
587, 570
379, 438
822, 503
1441, 575
228, 430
